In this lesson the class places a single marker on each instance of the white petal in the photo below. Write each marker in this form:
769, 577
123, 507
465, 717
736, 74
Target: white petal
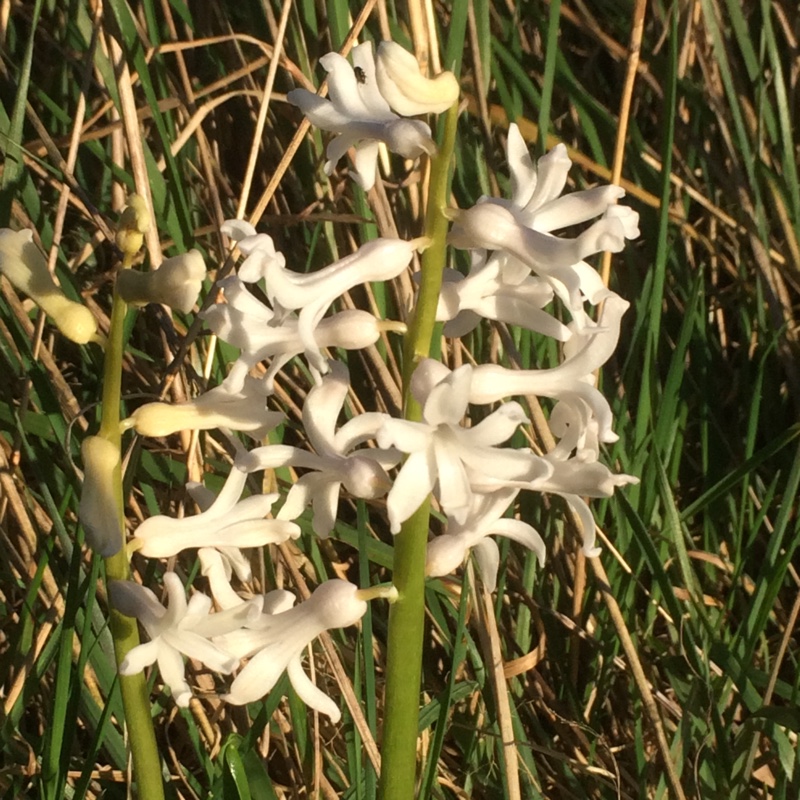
487, 555
259, 676
172, 669
455, 494
412, 485
498, 427
523, 533
575, 208
520, 165
320, 112
325, 505
309, 693
447, 402
366, 164
139, 657
237, 229
551, 177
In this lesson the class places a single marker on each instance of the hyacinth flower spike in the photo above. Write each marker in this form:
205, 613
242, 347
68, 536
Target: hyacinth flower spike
360, 116
227, 522
177, 630
276, 641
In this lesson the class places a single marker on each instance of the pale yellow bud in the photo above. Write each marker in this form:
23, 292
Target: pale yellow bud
98, 511
23, 265
176, 283
406, 89
133, 224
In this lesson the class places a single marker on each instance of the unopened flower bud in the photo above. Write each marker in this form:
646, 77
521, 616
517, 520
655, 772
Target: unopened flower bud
98, 511
406, 90
176, 283
133, 224
23, 265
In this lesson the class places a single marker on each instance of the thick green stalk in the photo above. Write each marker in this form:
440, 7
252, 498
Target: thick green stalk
407, 616
135, 696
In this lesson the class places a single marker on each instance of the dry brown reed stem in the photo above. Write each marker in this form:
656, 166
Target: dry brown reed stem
496, 669
255, 145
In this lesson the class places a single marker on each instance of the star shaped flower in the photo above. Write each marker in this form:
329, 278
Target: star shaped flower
444, 454
334, 463
486, 518
522, 229
176, 630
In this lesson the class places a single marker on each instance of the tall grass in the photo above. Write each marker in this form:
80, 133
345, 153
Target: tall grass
701, 557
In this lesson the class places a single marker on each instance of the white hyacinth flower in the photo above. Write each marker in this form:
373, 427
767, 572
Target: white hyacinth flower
521, 230
442, 453
360, 117
245, 322
26, 268
448, 551
275, 642
176, 283
227, 522
334, 464
488, 293
238, 409
406, 89
177, 630
571, 379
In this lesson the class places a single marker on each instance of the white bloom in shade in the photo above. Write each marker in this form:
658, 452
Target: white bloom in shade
360, 116
487, 293
241, 409
99, 508
572, 379
25, 267
406, 89
448, 551
334, 464
177, 630
245, 322
227, 522
276, 642
176, 283
443, 453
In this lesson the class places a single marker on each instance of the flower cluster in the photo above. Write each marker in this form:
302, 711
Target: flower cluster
522, 274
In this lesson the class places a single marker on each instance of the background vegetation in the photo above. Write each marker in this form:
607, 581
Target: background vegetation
701, 557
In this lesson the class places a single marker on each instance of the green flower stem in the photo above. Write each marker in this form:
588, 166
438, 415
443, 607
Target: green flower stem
135, 696
407, 615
